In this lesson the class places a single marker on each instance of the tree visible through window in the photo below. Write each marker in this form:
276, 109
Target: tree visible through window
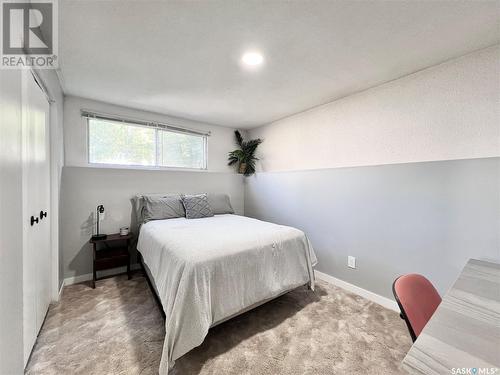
114, 142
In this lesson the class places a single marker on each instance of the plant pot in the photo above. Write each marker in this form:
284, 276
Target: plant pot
242, 168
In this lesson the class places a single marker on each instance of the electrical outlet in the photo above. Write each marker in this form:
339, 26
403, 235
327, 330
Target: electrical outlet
351, 262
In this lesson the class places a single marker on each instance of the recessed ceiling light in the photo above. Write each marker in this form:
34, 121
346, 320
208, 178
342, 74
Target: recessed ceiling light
252, 58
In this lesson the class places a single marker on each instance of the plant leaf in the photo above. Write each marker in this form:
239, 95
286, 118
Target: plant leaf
239, 138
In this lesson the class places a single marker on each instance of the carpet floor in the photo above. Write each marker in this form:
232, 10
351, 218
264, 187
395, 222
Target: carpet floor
117, 329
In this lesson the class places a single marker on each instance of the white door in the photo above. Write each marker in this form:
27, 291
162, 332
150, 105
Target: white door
36, 202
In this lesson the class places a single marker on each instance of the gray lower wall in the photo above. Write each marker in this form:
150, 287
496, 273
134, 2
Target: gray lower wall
419, 217
427, 218
82, 189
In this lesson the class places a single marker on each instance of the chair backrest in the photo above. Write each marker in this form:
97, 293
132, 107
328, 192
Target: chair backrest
418, 299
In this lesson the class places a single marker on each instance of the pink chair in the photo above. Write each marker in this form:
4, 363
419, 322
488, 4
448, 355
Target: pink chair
417, 299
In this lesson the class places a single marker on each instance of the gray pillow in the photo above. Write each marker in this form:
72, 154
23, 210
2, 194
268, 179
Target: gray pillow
196, 206
162, 207
220, 203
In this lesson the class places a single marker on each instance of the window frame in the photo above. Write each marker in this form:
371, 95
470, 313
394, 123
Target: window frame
157, 129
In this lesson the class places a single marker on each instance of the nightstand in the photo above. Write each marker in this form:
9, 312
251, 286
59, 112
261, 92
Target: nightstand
110, 252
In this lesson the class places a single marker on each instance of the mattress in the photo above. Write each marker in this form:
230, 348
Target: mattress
207, 270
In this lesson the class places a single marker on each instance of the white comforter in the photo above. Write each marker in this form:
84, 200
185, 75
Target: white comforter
210, 269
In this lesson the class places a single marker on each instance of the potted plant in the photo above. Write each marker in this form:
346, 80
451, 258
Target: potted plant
244, 157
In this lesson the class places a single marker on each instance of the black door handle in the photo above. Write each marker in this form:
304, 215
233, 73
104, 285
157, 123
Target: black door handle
43, 214
33, 220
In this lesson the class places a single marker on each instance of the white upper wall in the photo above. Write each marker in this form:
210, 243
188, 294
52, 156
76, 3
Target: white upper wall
220, 142
449, 111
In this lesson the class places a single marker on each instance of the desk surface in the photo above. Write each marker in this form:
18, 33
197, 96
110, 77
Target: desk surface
464, 332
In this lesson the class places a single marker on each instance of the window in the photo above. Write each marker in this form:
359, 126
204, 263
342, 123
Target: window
142, 144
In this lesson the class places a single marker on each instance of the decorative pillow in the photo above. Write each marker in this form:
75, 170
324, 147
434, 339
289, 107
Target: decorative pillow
162, 207
197, 206
220, 203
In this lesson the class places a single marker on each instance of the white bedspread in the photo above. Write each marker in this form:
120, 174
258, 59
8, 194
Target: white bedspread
209, 269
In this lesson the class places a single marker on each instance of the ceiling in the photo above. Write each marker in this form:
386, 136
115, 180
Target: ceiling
183, 57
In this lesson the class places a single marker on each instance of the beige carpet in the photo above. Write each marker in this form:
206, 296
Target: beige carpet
117, 329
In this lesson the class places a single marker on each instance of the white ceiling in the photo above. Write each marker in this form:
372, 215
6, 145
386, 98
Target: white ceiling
182, 57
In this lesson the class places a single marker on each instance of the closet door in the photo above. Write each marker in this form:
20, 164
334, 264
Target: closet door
42, 254
36, 202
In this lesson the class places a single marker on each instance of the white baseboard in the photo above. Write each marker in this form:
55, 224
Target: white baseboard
77, 279
88, 276
377, 298
61, 289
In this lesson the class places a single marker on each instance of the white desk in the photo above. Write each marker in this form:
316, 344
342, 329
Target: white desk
464, 332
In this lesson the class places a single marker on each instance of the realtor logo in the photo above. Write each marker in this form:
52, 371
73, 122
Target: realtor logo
29, 34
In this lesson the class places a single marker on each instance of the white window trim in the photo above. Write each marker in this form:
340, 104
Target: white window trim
155, 167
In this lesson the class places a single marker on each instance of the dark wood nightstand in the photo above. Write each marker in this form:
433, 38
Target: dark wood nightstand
111, 252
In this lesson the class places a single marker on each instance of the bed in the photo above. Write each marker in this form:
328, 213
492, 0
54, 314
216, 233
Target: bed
205, 271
